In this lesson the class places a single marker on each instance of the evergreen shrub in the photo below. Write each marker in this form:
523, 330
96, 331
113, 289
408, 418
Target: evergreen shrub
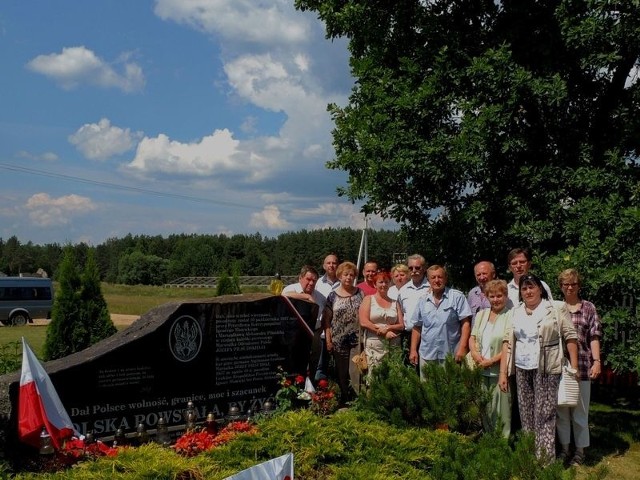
452, 397
227, 285
349, 444
80, 316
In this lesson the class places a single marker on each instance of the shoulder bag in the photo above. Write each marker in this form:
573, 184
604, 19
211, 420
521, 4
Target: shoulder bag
569, 388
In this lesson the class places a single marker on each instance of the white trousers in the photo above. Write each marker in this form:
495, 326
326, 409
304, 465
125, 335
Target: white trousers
578, 417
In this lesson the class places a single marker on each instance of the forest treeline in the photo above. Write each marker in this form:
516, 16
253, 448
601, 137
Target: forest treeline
155, 260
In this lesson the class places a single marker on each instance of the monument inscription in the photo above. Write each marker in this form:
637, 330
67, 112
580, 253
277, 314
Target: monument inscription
217, 353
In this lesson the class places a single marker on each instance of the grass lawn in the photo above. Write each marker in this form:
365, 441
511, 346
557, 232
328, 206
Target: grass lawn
139, 299
615, 439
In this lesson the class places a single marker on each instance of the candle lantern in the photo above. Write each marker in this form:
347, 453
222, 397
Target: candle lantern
210, 424
142, 436
234, 414
268, 407
189, 416
162, 433
89, 438
46, 447
119, 439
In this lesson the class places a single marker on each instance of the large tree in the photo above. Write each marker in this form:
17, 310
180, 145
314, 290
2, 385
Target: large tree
483, 125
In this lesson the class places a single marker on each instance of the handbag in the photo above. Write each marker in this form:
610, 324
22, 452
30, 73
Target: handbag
568, 388
360, 359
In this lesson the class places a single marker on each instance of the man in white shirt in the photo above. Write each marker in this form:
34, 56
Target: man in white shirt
325, 285
519, 261
329, 281
305, 289
415, 288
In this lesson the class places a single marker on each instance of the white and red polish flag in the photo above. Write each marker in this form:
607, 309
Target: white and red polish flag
39, 405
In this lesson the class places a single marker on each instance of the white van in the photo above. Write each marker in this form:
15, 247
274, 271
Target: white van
24, 298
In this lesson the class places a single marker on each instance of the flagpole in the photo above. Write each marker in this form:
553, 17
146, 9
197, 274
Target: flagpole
363, 246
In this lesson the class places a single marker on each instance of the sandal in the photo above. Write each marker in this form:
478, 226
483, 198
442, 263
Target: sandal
577, 460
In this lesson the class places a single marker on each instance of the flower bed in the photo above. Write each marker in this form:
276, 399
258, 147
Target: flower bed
192, 443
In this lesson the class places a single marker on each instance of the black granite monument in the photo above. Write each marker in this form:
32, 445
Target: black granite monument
218, 353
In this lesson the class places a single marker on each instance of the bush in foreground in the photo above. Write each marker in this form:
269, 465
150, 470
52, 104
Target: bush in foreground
347, 445
452, 398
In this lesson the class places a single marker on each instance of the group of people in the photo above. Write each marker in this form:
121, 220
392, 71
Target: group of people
515, 332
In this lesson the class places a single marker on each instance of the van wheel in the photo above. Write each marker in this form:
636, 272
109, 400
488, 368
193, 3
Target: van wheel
19, 319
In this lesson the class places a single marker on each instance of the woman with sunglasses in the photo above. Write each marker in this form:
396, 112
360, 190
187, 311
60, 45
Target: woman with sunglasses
532, 350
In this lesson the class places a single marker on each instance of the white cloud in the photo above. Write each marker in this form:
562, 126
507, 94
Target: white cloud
302, 62
77, 66
99, 141
45, 157
262, 80
213, 155
278, 86
341, 215
249, 124
271, 23
46, 211
270, 217
274, 58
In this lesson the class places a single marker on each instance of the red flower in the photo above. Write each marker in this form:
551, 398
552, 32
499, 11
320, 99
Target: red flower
192, 443
299, 379
287, 383
323, 384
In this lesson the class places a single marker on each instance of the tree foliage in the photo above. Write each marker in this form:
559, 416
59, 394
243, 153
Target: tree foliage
481, 126
136, 268
80, 317
66, 330
95, 314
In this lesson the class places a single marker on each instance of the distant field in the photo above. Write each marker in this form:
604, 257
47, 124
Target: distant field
139, 299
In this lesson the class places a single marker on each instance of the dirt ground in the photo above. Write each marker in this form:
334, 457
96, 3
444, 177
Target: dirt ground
124, 320
117, 319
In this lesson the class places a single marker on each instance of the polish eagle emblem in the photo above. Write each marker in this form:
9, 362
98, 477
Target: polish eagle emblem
185, 338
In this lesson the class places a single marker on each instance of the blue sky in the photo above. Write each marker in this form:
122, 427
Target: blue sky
167, 116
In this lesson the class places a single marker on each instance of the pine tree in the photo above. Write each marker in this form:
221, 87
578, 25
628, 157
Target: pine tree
80, 317
66, 328
95, 314
226, 285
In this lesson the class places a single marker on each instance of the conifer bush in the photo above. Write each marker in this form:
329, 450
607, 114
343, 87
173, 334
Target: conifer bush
80, 316
452, 397
227, 285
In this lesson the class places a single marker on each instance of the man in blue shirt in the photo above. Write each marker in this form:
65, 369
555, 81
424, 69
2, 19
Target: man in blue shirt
442, 322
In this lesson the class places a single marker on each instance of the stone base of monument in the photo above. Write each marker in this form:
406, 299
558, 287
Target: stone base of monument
218, 353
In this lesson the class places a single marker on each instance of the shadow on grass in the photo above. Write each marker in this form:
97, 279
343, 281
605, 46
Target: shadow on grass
614, 420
